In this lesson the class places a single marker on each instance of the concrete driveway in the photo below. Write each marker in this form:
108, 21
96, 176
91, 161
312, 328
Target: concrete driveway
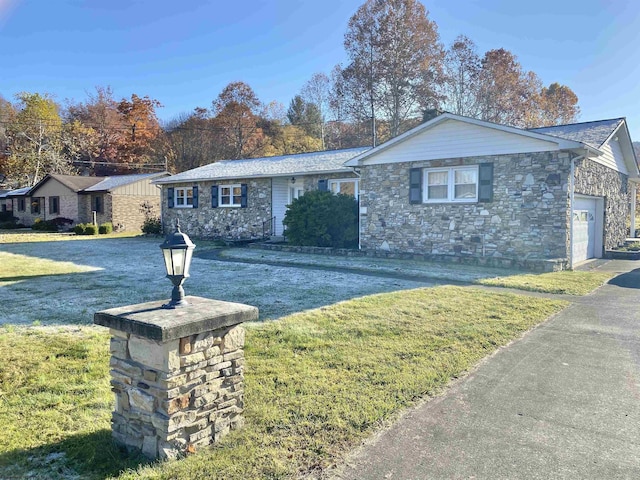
563, 402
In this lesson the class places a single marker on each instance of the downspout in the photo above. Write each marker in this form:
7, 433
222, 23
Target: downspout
359, 216
632, 232
572, 187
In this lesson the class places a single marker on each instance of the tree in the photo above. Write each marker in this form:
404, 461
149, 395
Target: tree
395, 61
462, 69
237, 111
136, 145
305, 115
36, 139
317, 91
559, 104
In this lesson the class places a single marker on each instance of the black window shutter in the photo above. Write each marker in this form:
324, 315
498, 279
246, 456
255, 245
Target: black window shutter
214, 196
243, 198
323, 185
170, 197
195, 196
415, 185
485, 184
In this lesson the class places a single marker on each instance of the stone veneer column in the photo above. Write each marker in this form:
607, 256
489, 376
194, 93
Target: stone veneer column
177, 374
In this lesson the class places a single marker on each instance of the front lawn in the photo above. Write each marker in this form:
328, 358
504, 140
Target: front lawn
565, 282
317, 383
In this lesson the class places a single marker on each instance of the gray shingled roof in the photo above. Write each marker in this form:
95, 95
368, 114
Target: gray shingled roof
593, 134
16, 192
110, 183
74, 182
297, 164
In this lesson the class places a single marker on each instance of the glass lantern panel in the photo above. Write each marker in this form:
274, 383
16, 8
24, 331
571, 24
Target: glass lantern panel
178, 261
187, 261
168, 263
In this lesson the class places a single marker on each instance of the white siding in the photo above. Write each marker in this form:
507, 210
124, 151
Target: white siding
279, 200
612, 157
454, 139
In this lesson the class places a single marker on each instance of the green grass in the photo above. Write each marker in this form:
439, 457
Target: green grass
28, 236
317, 383
20, 267
565, 282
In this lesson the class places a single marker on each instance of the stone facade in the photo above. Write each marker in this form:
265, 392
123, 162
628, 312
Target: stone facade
178, 396
232, 223
594, 179
527, 218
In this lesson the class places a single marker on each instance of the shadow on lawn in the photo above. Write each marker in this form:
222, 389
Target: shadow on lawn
92, 455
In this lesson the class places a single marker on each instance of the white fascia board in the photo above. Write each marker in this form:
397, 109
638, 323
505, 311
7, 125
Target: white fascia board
562, 144
169, 180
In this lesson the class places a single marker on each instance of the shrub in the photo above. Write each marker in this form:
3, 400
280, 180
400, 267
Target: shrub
7, 216
105, 228
79, 229
90, 229
152, 225
61, 222
322, 219
44, 225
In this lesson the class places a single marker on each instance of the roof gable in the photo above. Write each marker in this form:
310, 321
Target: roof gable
454, 136
74, 183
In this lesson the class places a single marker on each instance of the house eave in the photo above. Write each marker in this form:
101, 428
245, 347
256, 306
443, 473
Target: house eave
169, 180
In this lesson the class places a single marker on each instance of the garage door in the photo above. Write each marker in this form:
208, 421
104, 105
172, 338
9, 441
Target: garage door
584, 229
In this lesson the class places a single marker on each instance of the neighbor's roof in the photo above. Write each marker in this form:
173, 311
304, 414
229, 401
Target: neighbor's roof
73, 182
594, 134
18, 192
109, 183
285, 165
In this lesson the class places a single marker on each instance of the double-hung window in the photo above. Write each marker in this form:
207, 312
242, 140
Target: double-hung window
183, 197
455, 184
54, 205
230, 195
348, 186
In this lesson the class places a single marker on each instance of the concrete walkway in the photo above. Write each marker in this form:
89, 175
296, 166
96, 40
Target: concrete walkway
563, 402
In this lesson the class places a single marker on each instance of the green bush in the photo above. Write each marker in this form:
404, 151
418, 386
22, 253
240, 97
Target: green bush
90, 229
152, 225
322, 219
44, 225
79, 229
105, 228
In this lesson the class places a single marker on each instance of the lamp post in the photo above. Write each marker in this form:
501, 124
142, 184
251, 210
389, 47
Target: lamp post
177, 250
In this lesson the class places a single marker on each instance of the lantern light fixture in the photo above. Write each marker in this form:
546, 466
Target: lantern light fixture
177, 250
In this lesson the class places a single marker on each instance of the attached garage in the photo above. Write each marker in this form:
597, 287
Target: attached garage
587, 228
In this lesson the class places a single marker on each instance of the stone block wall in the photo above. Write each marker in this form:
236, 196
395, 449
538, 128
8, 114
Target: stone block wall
177, 396
595, 179
527, 218
233, 223
85, 208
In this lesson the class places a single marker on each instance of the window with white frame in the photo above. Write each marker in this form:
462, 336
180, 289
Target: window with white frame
455, 184
346, 186
230, 195
183, 197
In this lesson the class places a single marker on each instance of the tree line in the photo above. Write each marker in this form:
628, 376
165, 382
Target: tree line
398, 74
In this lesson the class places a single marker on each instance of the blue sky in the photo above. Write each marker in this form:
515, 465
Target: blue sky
183, 53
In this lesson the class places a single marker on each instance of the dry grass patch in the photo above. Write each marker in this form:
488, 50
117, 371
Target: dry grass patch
317, 382
29, 236
565, 282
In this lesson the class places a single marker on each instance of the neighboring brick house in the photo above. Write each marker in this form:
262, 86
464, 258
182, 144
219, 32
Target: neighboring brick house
461, 187
117, 199
247, 199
